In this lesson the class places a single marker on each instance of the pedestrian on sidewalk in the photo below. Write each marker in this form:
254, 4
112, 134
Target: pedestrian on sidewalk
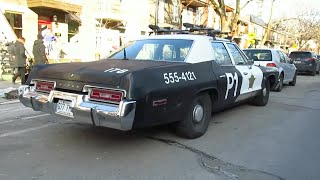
20, 56
39, 51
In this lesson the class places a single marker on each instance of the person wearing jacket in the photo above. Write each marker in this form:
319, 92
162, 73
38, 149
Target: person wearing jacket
39, 51
20, 57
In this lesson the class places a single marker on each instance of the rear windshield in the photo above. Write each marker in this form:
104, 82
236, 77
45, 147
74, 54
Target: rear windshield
155, 49
259, 55
300, 55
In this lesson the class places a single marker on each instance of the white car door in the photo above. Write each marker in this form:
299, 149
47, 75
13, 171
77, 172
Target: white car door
251, 75
291, 67
285, 67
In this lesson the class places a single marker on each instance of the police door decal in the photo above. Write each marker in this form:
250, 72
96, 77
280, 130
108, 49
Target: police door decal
232, 83
251, 78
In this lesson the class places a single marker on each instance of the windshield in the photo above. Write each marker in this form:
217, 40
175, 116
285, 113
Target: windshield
155, 49
300, 55
259, 55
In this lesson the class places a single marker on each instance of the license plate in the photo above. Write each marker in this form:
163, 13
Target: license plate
64, 108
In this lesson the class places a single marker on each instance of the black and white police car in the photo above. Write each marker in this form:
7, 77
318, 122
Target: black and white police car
159, 79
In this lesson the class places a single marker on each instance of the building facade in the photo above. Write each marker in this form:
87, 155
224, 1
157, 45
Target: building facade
90, 29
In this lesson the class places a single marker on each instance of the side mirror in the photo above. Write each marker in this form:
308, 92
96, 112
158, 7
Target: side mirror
251, 62
291, 61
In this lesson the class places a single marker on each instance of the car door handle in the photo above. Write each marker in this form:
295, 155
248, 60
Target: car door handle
222, 76
245, 73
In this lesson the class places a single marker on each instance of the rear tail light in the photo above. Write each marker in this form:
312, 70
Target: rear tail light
271, 65
44, 86
311, 59
105, 95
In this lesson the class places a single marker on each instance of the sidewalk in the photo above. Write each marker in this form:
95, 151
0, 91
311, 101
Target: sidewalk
5, 86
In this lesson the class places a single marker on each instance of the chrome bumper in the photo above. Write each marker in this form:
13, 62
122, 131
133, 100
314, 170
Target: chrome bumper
99, 114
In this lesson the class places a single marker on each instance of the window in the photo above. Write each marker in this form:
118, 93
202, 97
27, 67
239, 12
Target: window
161, 11
259, 55
221, 54
175, 11
155, 49
190, 15
300, 54
285, 57
15, 20
147, 52
282, 59
238, 58
198, 16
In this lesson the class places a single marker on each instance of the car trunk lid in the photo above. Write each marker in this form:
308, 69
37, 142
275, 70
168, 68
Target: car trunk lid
106, 72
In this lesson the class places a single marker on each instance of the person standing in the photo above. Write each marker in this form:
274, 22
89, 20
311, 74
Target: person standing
39, 51
20, 56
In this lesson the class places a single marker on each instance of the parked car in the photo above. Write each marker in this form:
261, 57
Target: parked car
306, 61
278, 59
159, 79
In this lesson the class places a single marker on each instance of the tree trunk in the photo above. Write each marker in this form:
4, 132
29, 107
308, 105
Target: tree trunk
224, 24
266, 34
235, 19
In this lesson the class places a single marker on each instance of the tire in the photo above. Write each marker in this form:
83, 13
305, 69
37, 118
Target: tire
191, 127
317, 72
262, 97
279, 88
314, 72
294, 81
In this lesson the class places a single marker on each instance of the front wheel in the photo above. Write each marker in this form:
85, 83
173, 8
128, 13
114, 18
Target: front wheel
262, 97
197, 119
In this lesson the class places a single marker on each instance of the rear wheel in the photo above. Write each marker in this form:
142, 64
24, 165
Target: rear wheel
262, 97
197, 119
294, 81
280, 86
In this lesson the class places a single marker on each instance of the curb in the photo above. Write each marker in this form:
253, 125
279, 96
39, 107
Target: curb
10, 102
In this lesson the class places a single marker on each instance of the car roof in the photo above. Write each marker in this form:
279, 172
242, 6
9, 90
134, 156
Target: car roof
302, 51
263, 49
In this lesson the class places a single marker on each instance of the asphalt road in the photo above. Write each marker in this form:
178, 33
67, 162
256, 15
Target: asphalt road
279, 141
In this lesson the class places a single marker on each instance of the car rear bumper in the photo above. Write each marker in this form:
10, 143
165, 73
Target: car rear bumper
99, 114
305, 67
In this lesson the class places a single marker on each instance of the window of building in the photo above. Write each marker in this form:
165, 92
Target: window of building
190, 15
175, 11
15, 20
198, 16
161, 11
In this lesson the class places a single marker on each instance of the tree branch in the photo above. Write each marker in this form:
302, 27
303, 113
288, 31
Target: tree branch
246, 4
217, 9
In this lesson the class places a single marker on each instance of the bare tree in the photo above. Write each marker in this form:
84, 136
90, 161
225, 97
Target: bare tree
220, 9
305, 27
269, 25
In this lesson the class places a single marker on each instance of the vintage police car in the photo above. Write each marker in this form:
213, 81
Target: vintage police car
159, 79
